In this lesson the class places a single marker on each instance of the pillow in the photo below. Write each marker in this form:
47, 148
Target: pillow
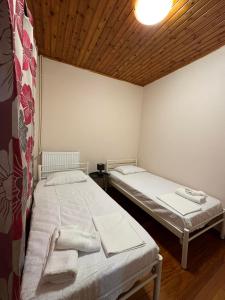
129, 169
65, 177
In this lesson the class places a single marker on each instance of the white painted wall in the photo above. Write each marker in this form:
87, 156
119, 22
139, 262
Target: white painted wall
91, 113
183, 125
36, 126
180, 129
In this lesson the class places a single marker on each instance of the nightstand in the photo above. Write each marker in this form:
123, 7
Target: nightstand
102, 179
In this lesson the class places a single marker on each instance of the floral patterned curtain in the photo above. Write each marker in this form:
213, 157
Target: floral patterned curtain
17, 93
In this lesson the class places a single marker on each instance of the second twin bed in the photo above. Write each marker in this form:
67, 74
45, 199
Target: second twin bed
145, 190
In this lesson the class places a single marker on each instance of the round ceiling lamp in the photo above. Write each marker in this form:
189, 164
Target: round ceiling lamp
150, 12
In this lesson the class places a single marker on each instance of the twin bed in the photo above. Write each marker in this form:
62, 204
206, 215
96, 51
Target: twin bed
99, 276
144, 188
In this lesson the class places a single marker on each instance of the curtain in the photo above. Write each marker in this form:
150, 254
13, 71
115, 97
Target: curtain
18, 58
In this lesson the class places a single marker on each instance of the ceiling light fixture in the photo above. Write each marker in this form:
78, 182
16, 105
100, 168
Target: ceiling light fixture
150, 12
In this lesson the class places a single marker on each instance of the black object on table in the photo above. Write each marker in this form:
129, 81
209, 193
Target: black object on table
101, 178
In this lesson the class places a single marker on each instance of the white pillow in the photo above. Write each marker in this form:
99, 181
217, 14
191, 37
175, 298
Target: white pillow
129, 169
65, 177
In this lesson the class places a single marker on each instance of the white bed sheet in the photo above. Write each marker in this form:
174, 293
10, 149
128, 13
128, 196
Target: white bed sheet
146, 187
98, 277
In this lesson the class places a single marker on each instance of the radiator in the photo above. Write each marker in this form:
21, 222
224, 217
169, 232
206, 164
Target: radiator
59, 160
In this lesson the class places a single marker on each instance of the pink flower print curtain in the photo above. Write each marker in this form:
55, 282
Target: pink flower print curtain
18, 61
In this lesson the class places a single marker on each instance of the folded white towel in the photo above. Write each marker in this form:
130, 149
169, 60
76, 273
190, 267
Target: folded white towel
180, 204
194, 192
61, 267
117, 234
70, 237
192, 195
61, 263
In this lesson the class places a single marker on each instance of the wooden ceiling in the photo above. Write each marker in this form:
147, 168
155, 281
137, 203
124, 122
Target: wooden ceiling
104, 36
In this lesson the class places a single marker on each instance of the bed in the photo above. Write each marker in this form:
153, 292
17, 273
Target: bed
144, 187
99, 277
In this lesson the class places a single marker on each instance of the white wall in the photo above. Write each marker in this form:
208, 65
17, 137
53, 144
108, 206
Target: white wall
181, 131
183, 125
36, 126
91, 113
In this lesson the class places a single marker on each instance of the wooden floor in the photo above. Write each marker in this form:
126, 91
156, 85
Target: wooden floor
205, 277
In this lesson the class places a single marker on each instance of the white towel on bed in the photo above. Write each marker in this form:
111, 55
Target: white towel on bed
192, 195
117, 234
61, 267
70, 237
180, 204
194, 192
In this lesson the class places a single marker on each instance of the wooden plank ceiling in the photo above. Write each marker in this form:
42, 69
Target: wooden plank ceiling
105, 37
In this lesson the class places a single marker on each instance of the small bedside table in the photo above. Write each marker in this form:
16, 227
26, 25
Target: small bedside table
102, 179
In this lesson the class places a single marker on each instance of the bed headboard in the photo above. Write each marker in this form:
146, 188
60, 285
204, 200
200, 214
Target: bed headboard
60, 161
111, 164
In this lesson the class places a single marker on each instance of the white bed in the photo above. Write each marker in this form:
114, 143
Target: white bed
144, 187
99, 277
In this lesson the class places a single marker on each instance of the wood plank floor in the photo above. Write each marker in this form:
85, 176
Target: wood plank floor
205, 277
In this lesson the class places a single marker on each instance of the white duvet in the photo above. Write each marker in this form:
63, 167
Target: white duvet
99, 277
147, 187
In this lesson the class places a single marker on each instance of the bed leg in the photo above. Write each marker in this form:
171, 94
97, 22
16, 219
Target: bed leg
157, 280
222, 233
185, 248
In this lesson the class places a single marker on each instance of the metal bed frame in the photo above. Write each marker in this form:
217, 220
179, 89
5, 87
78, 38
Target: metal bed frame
155, 274
155, 268
45, 170
185, 235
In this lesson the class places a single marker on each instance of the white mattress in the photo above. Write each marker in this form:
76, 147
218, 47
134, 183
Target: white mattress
146, 187
98, 277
